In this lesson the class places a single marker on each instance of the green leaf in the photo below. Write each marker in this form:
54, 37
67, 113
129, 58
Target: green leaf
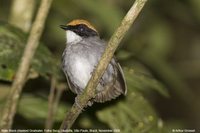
38, 108
133, 115
141, 82
12, 43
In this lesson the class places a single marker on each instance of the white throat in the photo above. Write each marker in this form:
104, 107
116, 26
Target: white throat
72, 37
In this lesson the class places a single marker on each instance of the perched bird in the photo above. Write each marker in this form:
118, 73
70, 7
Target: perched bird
83, 50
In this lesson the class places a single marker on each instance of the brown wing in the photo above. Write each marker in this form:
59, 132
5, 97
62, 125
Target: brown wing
121, 79
114, 88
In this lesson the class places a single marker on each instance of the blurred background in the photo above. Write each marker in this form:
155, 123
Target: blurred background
160, 56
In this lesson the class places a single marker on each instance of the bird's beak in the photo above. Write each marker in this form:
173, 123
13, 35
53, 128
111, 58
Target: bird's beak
64, 27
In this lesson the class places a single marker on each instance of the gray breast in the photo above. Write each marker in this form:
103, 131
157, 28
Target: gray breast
80, 59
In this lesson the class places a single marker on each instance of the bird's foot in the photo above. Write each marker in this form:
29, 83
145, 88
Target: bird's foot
90, 103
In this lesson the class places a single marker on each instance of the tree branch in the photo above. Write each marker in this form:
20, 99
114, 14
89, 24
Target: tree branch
54, 99
20, 78
89, 91
51, 109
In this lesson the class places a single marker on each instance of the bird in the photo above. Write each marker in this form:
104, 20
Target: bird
83, 50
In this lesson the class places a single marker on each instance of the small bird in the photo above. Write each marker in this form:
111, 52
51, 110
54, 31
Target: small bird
83, 51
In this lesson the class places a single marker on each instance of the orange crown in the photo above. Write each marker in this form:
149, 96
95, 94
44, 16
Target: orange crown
81, 21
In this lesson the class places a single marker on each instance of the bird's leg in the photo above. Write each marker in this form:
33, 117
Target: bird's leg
79, 92
90, 103
91, 73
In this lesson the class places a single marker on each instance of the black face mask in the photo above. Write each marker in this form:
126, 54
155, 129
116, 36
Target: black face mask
81, 29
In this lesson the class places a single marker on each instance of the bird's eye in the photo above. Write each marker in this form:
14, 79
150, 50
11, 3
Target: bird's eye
81, 28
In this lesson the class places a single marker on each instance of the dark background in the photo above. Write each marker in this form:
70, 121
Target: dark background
160, 56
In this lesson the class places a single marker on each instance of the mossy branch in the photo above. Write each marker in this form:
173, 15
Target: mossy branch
89, 91
20, 78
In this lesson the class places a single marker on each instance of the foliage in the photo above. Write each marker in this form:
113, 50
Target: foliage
12, 42
134, 115
159, 56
